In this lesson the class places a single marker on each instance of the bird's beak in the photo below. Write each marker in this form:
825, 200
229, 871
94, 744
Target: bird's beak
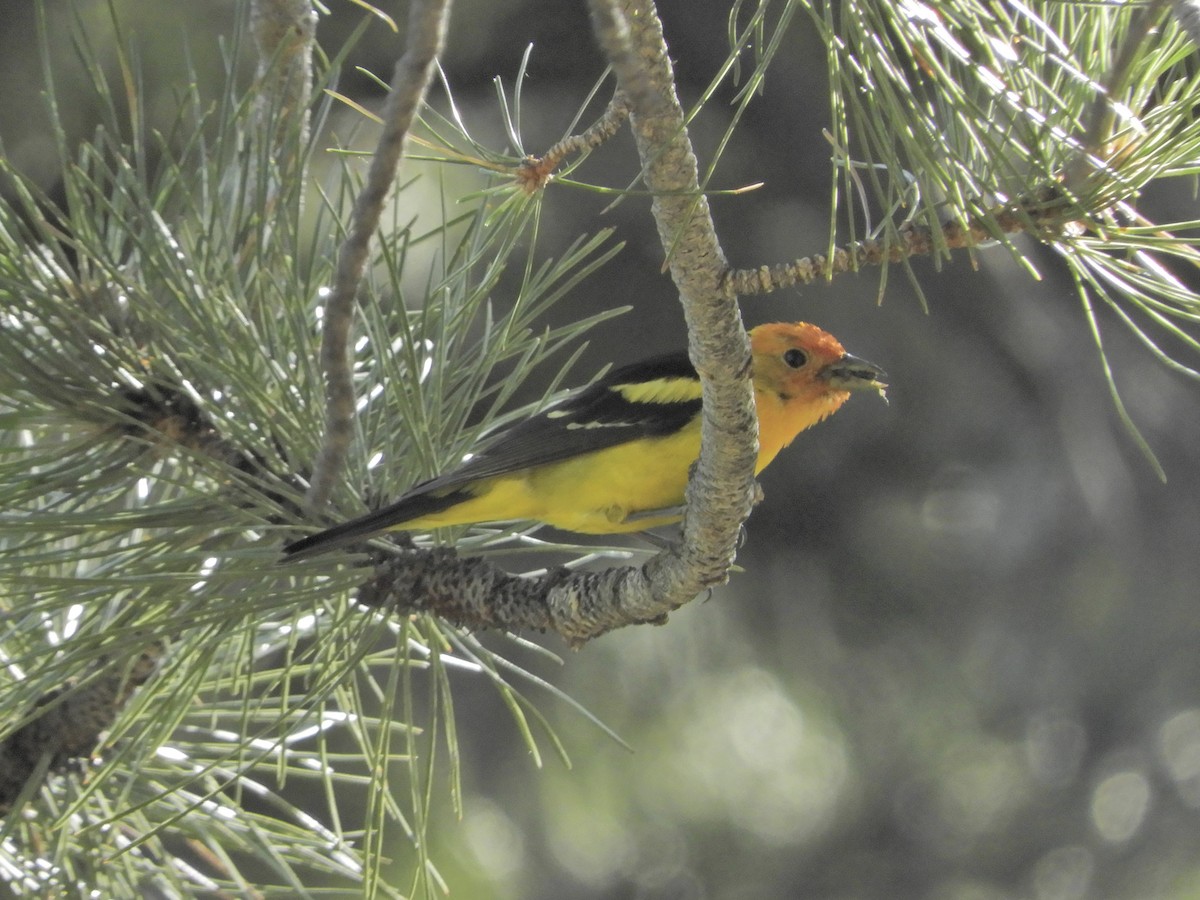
853, 374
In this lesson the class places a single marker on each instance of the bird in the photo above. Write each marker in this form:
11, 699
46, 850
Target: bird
614, 457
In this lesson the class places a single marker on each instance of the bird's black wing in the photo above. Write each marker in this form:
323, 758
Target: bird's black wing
654, 398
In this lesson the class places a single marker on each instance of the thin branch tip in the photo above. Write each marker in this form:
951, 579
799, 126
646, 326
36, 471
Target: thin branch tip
535, 172
1046, 213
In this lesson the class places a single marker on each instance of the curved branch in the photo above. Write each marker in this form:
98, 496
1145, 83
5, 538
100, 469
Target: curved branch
721, 490
414, 71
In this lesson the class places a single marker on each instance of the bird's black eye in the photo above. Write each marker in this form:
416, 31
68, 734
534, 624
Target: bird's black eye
795, 358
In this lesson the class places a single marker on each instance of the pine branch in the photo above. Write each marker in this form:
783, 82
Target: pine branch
1045, 214
1072, 110
1077, 196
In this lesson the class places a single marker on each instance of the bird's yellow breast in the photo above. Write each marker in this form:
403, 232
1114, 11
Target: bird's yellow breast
780, 419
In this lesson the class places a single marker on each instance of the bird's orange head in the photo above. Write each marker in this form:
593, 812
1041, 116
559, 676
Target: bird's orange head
801, 375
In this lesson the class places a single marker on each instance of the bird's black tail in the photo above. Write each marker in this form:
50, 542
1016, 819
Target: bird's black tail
407, 509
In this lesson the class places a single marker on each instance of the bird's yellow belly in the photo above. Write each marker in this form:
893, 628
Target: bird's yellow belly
604, 493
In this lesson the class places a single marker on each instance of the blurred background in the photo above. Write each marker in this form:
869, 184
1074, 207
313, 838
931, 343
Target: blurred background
962, 658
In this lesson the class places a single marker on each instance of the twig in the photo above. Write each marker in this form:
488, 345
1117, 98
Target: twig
414, 71
1044, 213
536, 171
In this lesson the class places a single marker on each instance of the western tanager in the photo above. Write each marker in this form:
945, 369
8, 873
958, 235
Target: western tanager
614, 457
